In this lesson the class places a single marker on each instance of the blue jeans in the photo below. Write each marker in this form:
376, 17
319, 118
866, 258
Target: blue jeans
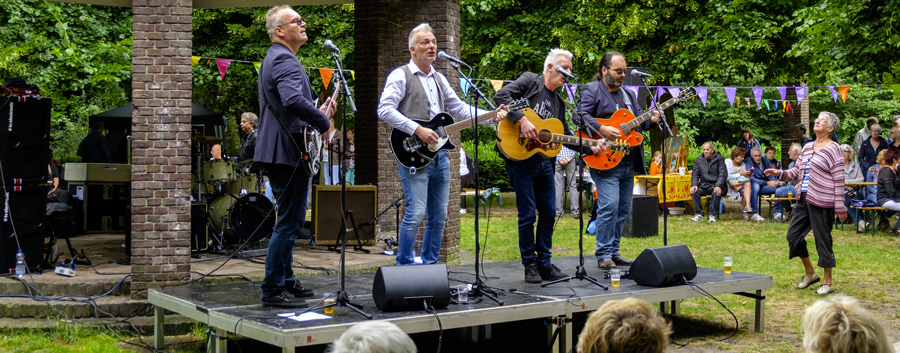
533, 183
759, 189
614, 196
290, 186
426, 190
782, 191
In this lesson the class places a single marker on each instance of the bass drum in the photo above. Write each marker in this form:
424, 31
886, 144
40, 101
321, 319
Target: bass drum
249, 218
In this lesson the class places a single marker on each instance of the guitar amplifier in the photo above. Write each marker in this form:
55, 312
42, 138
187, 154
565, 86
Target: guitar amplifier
326, 213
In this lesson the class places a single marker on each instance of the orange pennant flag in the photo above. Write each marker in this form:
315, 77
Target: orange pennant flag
843, 91
748, 102
787, 106
498, 84
326, 75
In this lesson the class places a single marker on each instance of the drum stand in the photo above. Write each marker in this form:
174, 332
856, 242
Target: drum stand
389, 243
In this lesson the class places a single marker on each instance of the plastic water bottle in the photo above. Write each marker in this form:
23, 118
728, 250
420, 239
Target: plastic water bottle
20, 264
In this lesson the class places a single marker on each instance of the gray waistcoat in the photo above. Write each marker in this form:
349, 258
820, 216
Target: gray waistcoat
414, 104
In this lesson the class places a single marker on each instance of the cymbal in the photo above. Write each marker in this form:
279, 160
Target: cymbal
206, 139
249, 160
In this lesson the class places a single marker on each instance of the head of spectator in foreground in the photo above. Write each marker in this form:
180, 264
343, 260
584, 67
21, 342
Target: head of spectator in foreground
839, 324
879, 159
708, 150
373, 337
627, 325
737, 155
891, 156
795, 150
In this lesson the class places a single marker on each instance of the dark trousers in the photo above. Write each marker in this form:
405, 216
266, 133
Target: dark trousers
290, 186
533, 183
703, 190
820, 220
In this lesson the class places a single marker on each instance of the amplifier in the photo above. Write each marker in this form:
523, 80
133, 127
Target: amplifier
98, 172
326, 213
101, 207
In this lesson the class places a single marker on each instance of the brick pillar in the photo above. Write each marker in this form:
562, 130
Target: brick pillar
382, 33
161, 163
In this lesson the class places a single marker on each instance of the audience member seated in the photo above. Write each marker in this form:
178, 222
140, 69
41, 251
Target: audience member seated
870, 148
373, 337
863, 134
851, 174
747, 142
655, 163
893, 138
708, 178
872, 176
760, 183
770, 155
889, 184
627, 325
739, 180
839, 324
789, 187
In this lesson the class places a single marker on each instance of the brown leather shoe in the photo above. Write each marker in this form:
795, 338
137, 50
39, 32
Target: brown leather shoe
606, 263
621, 261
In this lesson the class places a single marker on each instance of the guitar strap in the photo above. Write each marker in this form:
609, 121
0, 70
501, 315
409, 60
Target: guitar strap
627, 100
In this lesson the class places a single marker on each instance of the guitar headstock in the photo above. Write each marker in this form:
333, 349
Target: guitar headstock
517, 104
686, 94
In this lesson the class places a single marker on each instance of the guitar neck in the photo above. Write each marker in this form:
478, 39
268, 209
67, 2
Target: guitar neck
644, 117
572, 140
334, 96
462, 125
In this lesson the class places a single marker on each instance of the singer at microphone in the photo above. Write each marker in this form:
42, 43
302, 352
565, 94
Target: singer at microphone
568, 76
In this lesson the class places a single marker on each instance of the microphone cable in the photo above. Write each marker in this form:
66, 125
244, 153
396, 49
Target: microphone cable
700, 290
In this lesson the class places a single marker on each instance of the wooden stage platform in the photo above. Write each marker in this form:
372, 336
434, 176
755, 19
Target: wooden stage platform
235, 307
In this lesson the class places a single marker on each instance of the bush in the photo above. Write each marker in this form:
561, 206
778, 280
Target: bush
493, 168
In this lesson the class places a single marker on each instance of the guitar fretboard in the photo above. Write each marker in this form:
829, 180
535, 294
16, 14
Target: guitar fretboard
573, 140
640, 120
462, 125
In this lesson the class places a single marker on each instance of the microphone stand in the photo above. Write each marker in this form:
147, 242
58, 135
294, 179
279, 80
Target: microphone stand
479, 289
342, 297
580, 272
664, 127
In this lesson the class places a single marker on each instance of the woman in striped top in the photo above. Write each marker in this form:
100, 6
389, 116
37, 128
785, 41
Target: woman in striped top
820, 191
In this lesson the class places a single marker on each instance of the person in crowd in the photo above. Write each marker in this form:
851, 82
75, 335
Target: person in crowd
851, 174
215, 152
625, 325
656, 163
863, 134
373, 337
747, 142
870, 148
565, 179
466, 177
894, 138
417, 90
674, 148
708, 178
738, 180
840, 324
787, 190
872, 176
600, 99
331, 141
761, 184
533, 178
888, 193
800, 135
285, 94
350, 157
770, 156
248, 145
93, 148
820, 176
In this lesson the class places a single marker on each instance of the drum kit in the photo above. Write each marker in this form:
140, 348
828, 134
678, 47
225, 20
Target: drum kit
238, 212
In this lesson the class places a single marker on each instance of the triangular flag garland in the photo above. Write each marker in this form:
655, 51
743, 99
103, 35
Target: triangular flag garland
497, 84
757, 94
730, 92
833, 93
326, 75
464, 85
702, 93
801, 93
843, 90
223, 65
783, 92
195, 60
256, 65
571, 88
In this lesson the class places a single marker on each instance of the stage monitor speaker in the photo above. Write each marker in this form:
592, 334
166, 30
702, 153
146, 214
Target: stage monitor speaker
199, 228
644, 219
408, 287
663, 266
326, 213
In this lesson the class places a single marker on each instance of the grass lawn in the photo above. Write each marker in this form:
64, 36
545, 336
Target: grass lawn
866, 268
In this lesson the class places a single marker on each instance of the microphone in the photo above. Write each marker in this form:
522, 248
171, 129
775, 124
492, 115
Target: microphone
330, 46
443, 55
637, 73
565, 74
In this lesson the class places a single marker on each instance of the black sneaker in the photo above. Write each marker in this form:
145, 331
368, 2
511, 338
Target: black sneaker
298, 291
551, 273
531, 273
283, 300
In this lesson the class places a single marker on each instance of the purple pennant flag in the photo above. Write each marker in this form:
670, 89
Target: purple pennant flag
783, 92
701, 93
570, 89
674, 91
757, 93
633, 89
660, 90
730, 92
833, 93
801, 93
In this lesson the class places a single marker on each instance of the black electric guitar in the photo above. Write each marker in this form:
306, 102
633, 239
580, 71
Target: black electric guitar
412, 152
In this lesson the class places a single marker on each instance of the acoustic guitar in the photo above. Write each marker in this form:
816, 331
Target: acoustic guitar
550, 138
626, 122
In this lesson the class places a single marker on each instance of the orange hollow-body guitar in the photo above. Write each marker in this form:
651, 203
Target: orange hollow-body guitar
550, 138
626, 122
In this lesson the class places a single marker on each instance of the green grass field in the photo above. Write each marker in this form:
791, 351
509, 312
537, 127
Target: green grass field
866, 268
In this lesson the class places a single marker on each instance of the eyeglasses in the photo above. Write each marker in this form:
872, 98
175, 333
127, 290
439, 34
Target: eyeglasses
618, 72
298, 22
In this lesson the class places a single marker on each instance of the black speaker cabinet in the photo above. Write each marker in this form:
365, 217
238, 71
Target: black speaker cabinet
199, 228
102, 207
326, 213
644, 218
663, 266
409, 287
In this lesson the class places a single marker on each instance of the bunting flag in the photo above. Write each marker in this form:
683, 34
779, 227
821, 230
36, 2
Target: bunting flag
497, 84
326, 75
464, 85
801, 93
633, 89
730, 92
833, 93
748, 102
659, 93
223, 66
195, 60
674, 91
256, 65
783, 92
787, 106
879, 88
757, 93
767, 104
353, 74
571, 88
843, 90
702, 93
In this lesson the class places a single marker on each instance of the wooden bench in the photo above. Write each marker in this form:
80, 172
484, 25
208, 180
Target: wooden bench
772, 199
868, 212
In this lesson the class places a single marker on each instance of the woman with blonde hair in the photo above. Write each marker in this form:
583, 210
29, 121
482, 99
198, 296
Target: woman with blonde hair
840, 324
627, 325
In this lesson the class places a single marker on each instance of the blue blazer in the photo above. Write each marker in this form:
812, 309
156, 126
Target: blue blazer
284, 82
596, 102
